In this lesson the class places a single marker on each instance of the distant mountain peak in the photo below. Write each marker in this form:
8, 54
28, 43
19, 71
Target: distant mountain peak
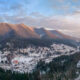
24, 31
19, 29
45, 33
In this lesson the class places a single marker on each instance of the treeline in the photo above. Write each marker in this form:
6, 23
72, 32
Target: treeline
61, 68
23, 43
9, 75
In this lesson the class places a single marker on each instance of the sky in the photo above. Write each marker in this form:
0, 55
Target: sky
63, 15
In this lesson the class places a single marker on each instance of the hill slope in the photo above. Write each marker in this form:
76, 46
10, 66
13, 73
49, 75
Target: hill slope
45, 33
24, 31
60, 34
19, 30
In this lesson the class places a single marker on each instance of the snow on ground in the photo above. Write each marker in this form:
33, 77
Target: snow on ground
78, 64
22, 59
78, 78
25, 60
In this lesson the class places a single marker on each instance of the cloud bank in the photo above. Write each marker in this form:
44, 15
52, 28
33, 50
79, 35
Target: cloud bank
63, 15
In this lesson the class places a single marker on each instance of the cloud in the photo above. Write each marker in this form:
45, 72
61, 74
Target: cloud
36, 14
14, 7
63, 6
17, 12
67, 23
77, 12
75, 0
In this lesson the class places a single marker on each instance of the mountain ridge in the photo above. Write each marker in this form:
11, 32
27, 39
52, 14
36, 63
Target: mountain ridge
19, 29
24, 31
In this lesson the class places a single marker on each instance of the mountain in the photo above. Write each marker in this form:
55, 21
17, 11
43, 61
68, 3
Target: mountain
23, 31
19, 30
22, 35
61, 35
45, 33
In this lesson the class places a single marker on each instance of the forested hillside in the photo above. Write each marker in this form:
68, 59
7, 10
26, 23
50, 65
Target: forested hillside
61, 68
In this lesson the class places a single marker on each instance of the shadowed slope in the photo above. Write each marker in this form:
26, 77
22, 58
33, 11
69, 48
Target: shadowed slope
60, 35
45, 33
